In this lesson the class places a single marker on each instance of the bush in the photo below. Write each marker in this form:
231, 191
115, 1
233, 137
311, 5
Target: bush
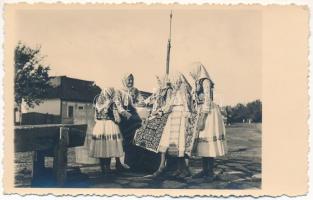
239, 113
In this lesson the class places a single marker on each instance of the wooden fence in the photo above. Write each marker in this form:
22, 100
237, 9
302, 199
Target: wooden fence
51, 141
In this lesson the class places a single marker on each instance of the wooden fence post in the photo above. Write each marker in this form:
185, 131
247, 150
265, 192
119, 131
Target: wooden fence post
60, 157
38, 166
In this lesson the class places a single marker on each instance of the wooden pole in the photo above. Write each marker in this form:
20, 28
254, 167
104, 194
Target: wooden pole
169, 47
60, 157
38, 166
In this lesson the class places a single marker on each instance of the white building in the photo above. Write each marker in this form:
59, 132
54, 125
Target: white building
70, 101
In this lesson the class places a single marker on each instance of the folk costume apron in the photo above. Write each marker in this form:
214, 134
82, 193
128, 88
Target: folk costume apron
177, 130
210, 131
148, 136
107, 139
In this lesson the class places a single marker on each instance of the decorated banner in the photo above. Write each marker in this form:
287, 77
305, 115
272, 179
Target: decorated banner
190, 134
149, 135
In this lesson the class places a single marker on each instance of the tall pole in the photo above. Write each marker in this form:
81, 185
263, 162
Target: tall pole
169, 47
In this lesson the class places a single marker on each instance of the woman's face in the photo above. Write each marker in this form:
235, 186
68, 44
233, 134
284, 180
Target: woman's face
130, 82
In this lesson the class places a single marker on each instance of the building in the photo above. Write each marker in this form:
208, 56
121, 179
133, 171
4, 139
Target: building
70, 101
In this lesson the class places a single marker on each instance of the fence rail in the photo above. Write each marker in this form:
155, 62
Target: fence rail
51, 140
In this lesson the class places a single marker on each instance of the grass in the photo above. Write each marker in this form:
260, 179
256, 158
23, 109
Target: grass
237, 170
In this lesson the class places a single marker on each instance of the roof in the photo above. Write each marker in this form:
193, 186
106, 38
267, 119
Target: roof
145, 94
71, 89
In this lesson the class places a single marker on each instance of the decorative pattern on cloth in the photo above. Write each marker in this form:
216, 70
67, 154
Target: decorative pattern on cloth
107, 141
211, 142
179, 135
149, 135
173, 138
108, 137
190, 135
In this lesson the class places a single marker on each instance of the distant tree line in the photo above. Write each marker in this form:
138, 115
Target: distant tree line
243, 112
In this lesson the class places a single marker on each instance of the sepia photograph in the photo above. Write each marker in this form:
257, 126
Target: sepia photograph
138, 98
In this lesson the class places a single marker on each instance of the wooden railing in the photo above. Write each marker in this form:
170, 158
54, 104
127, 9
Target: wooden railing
49, 140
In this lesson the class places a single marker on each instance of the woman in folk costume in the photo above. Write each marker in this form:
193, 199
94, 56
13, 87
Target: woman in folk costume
173, 138
129, 97
210, 139
128, 87
107, 140
161, 96
148, 136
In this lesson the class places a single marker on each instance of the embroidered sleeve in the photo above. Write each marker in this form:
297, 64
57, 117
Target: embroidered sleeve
168, 95
116, 114
189, 104
135, 95
118, 102
207, 96
168, 101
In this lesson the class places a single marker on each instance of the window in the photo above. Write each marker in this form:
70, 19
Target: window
70, 111
80, 107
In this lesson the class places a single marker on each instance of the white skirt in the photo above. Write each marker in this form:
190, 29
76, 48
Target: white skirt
173, 137
211, 141
107, 141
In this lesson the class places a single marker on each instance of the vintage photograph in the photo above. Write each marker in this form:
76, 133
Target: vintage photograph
138, 98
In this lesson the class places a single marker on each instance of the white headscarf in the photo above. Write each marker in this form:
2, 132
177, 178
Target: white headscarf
125, 79
198, 72
179, 77
104, 99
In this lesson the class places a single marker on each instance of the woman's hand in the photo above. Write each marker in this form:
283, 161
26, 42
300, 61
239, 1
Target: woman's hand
126, 114
160, 112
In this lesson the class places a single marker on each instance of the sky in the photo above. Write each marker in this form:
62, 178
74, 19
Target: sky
103, 44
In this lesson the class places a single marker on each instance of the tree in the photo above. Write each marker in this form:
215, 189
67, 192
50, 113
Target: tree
254, 110
229, 114
239, 113
31, 76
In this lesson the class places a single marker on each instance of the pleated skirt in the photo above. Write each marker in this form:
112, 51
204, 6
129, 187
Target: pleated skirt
107, 141
211, 141
173, 136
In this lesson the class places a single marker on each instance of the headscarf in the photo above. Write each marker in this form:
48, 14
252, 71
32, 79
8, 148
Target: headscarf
163, 81
129, 94
104, 99
199, 72
184, 87
160, 94
125, 79
179, 77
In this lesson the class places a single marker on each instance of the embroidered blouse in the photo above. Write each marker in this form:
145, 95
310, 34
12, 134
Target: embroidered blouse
205, 98
112, 111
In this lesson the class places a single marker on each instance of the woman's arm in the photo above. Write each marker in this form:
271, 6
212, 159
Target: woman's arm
207, 96
119, 107
116, 114
168, 101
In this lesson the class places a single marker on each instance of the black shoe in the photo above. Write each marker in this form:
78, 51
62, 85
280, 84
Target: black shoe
176, 173
106, 172
201, 174
210, 178
157, 174
122, 168
185, 173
